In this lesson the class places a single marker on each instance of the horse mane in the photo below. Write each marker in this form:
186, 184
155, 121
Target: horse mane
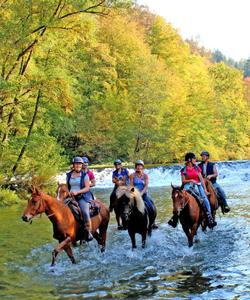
133, 194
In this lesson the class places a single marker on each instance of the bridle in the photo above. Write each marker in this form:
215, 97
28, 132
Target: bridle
186, 200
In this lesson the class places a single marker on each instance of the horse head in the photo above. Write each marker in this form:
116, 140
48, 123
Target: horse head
179, 199
62, 191
35, 206
129, 198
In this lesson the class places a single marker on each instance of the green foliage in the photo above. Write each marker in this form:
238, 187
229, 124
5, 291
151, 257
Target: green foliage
124, 85
8, 198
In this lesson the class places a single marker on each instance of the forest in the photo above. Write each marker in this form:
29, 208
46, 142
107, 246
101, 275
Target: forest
109, 79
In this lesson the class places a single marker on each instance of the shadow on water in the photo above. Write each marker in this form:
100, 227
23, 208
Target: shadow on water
218, 267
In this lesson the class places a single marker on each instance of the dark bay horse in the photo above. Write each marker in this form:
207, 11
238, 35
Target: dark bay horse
185, 206
65, 227
137, 218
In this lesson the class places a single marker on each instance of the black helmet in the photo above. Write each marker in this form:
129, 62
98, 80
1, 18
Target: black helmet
139, 162
204, 152
189, 156
77, 159
85, 159
117, 162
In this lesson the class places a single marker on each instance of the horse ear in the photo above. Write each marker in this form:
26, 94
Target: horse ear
132, 189
172, 185
35, 190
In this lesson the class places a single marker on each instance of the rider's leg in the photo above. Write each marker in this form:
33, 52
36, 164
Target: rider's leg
207, 206
84, 206
150, 207
222, 197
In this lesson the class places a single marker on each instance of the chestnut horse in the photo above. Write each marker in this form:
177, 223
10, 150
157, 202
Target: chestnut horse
66, 229
185, 206
138, 219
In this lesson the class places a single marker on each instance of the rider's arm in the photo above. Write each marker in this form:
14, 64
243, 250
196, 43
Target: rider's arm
131, 180
184, 180
146, 184
215, 173
92, 182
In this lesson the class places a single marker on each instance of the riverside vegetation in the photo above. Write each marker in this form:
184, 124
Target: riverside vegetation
108, 79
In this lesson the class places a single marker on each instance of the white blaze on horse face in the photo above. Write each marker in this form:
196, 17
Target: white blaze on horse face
58, 193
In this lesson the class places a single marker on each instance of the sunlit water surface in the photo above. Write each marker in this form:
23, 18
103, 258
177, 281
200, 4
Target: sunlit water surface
217, 267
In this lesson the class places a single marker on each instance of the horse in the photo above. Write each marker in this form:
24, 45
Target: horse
186, 207
212, 197
67, 230
138, 218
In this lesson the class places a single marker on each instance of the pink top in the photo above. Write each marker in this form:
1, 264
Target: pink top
91, 175
191, 173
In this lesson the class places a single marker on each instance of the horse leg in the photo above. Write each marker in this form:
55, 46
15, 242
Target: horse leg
58, 249
69, 252
118, 220
103, 236
188, 234
132, 237
144, 236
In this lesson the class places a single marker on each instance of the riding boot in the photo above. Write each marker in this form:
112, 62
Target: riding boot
89, 236
173, 221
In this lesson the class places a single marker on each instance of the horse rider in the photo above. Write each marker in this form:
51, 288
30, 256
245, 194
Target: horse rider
79, 186
140, 180
209, 171
192, 179
88, 171
120, 177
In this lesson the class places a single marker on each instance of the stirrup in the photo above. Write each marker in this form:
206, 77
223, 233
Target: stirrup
226, 209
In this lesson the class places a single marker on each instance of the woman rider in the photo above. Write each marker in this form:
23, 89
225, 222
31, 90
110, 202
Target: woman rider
140, 180
79, 186
191, 178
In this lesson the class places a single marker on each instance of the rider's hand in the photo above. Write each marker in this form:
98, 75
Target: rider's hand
74, 193
209, 177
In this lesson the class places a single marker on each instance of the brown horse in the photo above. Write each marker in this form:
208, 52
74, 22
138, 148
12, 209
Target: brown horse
212, 197
66, 229
185, 206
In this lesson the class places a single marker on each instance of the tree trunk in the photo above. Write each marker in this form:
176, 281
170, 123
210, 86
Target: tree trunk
29, 132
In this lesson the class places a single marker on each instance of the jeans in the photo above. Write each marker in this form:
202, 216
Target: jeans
149, 204
199, 188
220, 193
84, 206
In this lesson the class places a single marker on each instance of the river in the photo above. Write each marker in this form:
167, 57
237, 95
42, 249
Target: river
218, 267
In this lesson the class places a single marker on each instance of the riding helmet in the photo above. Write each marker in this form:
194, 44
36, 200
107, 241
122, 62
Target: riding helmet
205, 153
189, 156
117, 162
139, 162
77, 159
85, 159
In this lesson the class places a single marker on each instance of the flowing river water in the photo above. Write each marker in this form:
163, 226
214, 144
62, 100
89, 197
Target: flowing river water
218, 267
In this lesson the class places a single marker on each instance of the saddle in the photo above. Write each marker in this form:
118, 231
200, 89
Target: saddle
94, 209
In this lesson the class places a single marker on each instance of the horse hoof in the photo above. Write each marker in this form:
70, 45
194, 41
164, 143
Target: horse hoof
190, 245
102, 249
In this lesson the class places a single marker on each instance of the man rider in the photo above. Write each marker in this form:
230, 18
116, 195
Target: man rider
209, 170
